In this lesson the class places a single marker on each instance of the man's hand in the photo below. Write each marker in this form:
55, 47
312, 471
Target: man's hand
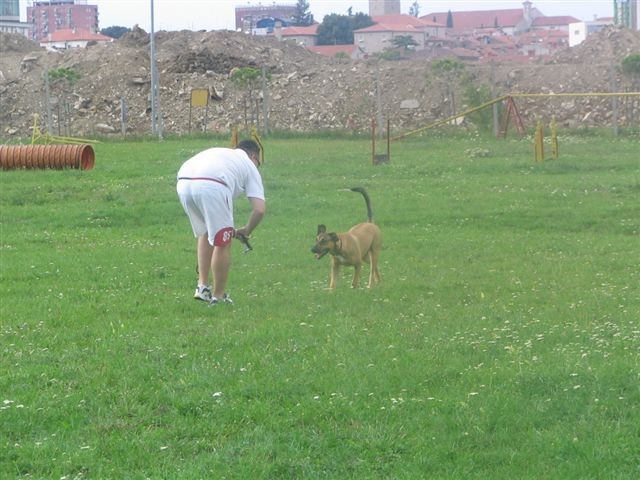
244, 239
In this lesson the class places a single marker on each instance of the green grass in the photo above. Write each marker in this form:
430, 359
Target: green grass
502, 343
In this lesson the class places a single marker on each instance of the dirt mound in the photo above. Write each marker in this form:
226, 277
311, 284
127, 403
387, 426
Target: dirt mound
306, 91
610, 44
13, 42
137, 37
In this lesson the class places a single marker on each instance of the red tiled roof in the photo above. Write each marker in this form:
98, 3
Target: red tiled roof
481, 19
77, 35
550, 21
403, 19
395, 27
399, 19
299, 31
399, 23
544, 34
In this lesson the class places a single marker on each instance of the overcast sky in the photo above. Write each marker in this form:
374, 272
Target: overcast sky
219, 14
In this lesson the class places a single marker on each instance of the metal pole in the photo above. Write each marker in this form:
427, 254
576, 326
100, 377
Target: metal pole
124, 116
152, 54
614, 100
156, 120
494, 107
48, 95
378, 100
265, 102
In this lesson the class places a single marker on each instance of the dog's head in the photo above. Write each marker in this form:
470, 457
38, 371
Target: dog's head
326, 242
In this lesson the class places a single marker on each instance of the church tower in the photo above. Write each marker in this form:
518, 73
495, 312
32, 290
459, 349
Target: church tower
384, 7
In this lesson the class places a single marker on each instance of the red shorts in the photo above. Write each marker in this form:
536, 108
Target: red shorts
223, 237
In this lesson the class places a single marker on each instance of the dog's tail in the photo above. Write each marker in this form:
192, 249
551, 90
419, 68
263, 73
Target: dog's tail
367, 201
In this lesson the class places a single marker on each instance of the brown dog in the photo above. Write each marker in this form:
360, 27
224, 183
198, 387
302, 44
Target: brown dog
362, 243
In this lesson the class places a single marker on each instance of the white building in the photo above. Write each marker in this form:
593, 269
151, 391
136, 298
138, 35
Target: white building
380, 36
579, 31
10, 18
72, 38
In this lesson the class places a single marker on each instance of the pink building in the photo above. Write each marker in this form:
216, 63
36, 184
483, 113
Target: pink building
47, 17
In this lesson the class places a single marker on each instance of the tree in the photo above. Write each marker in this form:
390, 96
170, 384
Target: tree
360, 20
61, 81
115, 31
63, 74
249, 79
631, 66
335, 30
414, 9
404, 41
448, 72
474, 96
389, 54
338, 29
302, 17
449, 19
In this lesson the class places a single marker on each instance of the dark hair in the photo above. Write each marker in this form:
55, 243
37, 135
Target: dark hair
250, 147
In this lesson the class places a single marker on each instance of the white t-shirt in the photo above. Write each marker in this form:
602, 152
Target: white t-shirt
231, 166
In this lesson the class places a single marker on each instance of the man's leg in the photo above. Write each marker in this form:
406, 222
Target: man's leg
205, 251
220, 263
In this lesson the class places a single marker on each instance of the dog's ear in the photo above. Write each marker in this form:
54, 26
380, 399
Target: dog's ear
321, 229
333, 236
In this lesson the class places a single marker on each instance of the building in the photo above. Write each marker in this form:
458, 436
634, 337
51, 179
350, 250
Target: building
46, 17
579, 31
560, 23
542, 42
509, 21
303, 36
10, 18
379, 37
384, 7
261, 19
65, 38
625, 13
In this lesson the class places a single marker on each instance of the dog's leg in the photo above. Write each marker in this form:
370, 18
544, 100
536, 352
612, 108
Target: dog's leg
356, 275
374, 275
335, 268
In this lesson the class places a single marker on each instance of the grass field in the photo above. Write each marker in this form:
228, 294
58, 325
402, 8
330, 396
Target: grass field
502, 343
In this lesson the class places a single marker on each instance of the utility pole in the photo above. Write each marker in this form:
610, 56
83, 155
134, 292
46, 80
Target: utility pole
265, 102
614, 99
156, 116
378, 100
48, 95
494, 107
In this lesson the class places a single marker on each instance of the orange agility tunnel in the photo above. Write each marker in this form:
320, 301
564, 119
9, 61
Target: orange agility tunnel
57, 157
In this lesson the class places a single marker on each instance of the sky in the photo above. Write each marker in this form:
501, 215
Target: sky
220, 14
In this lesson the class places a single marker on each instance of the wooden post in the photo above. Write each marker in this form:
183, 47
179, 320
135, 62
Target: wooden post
539, 143
554, 139
373, 141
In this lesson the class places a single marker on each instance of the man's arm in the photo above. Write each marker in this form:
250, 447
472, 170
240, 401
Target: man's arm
258, 208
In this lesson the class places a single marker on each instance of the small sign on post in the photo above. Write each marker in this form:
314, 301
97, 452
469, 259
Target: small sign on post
199, 98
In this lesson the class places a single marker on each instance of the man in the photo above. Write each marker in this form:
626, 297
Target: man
207, 184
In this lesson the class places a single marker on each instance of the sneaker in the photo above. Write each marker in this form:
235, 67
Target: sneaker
225, 299
203, 292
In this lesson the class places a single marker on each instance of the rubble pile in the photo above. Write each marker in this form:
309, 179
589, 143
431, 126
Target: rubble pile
305, 91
